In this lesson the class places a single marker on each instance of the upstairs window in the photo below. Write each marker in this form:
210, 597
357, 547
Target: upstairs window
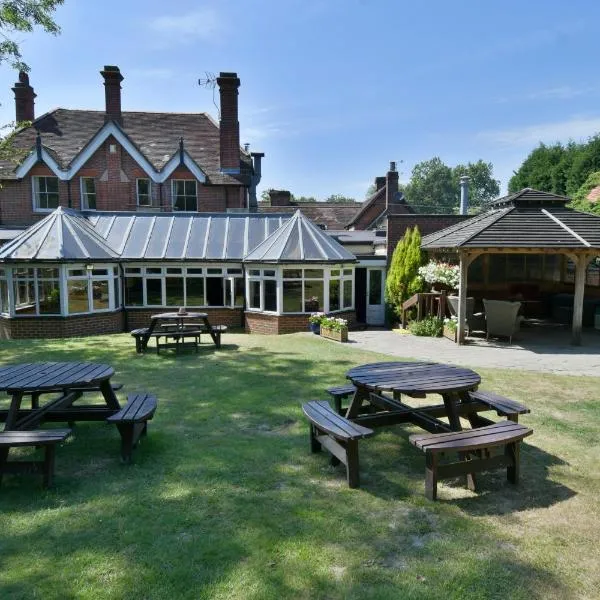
45, 193
144, 198
185, 195
88, 193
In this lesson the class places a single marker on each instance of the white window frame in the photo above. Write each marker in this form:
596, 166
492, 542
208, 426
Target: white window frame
90, 278
85, 205
174, 195
137, 191
227, 272
35, 191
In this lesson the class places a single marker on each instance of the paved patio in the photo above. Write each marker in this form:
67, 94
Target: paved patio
533, 350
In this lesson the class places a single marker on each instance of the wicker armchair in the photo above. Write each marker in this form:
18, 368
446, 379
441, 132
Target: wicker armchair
502, 318
475, 321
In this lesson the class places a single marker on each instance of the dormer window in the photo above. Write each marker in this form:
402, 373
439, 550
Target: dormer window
185, 195
45, 193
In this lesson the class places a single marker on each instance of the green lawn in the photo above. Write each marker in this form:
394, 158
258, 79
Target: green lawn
225, 501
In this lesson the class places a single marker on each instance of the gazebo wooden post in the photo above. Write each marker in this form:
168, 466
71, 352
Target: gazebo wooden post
462, 298
581, 262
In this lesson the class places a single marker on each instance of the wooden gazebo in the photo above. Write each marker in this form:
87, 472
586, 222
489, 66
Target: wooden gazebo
527, 222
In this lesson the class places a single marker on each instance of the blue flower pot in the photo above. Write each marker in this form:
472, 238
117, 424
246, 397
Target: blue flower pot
315, 328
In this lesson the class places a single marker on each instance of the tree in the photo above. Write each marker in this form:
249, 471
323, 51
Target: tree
580, 201
431, 187
402, 280
339, 198
483, 188
22, 16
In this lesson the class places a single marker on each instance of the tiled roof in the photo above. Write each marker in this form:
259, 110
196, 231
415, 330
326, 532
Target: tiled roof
528, 219
333, 215
299, 240
65, 133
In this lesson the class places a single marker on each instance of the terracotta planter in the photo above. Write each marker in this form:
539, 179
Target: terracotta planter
450, 333
332, 334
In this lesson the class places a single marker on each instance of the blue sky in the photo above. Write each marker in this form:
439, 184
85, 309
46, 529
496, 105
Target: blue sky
332, 90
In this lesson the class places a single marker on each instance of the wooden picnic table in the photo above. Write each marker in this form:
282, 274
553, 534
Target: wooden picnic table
69, 379
181, 327
413, 379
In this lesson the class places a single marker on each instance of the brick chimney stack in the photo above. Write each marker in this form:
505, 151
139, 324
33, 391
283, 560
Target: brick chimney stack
391, 181
379, 183
280, 197
229, 125
112, 92
24, 99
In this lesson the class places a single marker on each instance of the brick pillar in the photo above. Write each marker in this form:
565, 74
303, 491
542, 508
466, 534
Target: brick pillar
112, 92
229, 124
24, 99
379, 183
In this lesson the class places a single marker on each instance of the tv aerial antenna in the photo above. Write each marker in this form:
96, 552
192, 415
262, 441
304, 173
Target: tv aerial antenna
209, 81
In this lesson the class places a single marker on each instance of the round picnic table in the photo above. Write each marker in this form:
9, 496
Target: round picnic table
38, 378
415, 379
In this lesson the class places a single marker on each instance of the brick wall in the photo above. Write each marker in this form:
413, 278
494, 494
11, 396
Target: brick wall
115, 174
59, 327
279, 324
398, 224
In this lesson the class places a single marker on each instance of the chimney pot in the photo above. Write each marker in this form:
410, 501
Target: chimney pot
392, 165
24, 99
464, 195
112, 93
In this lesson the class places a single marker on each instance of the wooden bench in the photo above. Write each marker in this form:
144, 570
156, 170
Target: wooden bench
179, 337
505, 434
339, 393
215, 333
132, 421
504, 407
47, 438
338, 435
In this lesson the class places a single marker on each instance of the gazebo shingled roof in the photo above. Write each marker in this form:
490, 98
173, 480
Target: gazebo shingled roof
527, 221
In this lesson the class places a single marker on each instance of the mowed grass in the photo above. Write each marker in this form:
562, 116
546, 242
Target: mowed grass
225, 501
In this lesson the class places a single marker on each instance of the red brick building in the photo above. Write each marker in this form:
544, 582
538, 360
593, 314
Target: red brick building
114, 160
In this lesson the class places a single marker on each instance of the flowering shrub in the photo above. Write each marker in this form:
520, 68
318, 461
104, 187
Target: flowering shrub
429, 326
333, 323
440, 272
316, 318
451, 323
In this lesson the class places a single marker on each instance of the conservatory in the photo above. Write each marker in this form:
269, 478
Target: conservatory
77, 273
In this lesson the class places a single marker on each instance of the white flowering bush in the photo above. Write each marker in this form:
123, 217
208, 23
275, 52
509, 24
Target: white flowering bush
440, 272
316, 318
334, 323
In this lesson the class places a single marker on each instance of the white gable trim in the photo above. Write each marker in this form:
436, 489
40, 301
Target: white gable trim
107, 130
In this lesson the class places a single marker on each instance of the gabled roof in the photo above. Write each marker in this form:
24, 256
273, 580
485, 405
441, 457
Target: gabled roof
64, 235
66, 134
528, 219
299, 240
378, 197
333, 215
181, 237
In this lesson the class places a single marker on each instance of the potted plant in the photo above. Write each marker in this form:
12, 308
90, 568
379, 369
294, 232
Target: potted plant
311, 304
334, 329
441, 276
314, 322
450, 328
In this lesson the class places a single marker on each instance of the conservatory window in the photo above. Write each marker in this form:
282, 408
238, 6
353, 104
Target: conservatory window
262, 290
90, 289
4, 306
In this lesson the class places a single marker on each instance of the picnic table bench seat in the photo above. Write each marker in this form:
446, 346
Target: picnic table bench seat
480, 441
504, 407
139, 334
132, 421
339, 393
338, 435
48, 438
